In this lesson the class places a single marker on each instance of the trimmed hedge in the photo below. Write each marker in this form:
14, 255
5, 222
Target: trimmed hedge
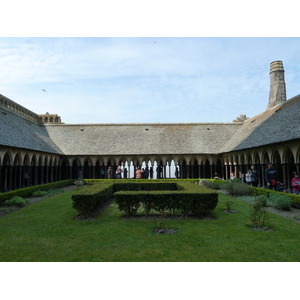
182, 196
188, 199
27, 192
88, 200
144, 185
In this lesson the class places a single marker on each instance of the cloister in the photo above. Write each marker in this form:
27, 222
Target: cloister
37, 149
19, 168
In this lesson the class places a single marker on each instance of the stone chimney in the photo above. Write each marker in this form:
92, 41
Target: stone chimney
277, 84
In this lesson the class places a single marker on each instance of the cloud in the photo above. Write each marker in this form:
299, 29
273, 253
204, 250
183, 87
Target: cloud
181, 79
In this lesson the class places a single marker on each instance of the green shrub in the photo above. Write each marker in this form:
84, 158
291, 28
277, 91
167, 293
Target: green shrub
39, 193
279, 201
248, 199
19, 201
27, 192
228, 204
262, 199
258, 214
88, 200
211, 184
187, 199
236, 187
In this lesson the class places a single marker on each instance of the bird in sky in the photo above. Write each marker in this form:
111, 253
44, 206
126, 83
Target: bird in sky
43, 90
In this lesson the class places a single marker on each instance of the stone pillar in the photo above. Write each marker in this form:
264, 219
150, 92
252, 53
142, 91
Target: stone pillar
226, 172
263, 182
284, 177
10, 178
277, 93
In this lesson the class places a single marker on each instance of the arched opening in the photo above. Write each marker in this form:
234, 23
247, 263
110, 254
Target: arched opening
64, 171
290, 168
278, 166
195, 170
6, 174
76, 171
207, 169
17, 172
219, 169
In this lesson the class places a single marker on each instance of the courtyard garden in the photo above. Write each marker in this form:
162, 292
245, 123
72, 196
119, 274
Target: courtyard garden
49, 230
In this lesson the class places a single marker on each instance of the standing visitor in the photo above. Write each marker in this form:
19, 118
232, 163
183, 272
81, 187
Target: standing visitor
138, 173
119, 172
249, 177
177, 172
125, 173
271, 177
110, 173
151, 172
254, 176
296, 184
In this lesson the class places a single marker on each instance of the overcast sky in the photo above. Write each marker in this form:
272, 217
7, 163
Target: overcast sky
152, 79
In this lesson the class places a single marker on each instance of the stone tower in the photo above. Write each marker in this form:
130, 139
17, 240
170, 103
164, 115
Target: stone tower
277, 84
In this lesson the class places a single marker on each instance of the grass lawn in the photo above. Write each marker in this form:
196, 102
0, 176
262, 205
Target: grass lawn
47, 232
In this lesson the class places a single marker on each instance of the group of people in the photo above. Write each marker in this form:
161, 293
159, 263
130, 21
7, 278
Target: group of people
273, 182
271, 179
140, 173
251, 177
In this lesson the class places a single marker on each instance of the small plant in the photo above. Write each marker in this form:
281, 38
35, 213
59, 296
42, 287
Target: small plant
229, 204
79, 183
19, 201
161, 221
236, 187
258, 215
211, 184
39, 193
53, 192
262, 199
279, 201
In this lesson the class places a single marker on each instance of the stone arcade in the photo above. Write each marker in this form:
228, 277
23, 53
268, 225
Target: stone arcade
37, 149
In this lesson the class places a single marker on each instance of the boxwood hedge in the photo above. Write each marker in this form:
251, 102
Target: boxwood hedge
27, 192
183, 197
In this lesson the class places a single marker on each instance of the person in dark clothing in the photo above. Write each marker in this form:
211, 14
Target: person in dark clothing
271, 177
119, 172
151, 172
125, 173
177, 172
254, 176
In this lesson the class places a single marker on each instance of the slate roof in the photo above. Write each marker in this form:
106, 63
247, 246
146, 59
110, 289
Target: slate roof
276, 125
18, 131
141, 139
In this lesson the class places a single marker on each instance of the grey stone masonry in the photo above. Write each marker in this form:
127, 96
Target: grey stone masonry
277, 84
